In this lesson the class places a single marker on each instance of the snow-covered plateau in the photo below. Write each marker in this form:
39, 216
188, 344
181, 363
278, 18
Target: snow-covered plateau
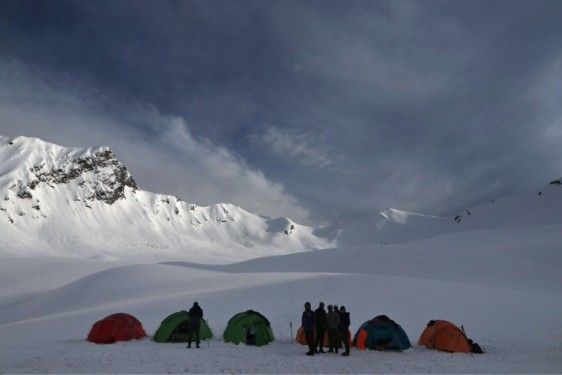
496, 269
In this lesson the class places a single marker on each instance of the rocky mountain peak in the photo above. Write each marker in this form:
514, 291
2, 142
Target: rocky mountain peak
65, 200
106, 175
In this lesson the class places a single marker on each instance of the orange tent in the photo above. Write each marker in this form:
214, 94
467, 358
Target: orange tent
445, 336
301, 339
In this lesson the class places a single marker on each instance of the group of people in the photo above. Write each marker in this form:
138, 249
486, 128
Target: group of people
316, 323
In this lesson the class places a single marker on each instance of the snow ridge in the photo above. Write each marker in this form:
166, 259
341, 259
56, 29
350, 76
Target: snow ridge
84, 202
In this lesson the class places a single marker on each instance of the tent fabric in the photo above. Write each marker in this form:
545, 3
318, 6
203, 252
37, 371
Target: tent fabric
361, 339
175, 328
116, 327
301, 338
381, 333
445, 336
249, 327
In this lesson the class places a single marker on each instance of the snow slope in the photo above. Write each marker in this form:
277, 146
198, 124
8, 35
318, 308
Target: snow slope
389, 226
503, 285
60, 201
393, 226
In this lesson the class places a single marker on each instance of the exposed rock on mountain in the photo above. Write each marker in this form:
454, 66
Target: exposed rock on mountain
71, 201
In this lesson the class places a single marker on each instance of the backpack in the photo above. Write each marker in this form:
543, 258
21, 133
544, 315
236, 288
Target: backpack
475, 348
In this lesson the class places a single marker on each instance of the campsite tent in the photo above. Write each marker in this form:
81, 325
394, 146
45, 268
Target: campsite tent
445, 336
301, 338
116, 327
249, 327
381, 333
175, 328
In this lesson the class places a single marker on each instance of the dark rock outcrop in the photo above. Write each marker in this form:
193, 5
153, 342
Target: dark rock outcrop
109, 186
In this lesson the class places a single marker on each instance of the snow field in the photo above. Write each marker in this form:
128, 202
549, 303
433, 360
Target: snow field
519, 327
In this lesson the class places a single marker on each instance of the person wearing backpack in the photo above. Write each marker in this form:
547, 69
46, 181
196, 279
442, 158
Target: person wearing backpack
195, 315
344, 324
332, 324
321, 326
308, 320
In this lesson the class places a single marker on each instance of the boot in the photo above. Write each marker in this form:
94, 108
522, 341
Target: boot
189, 346
345, 354
197, 345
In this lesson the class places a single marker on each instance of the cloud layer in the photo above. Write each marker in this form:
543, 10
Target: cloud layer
160, 150
300, 148
349, 107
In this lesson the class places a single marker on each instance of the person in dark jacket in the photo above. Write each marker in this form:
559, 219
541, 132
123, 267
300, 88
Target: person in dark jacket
345, 321
332, 324
195, 315
321, 326
338, 336
308, 322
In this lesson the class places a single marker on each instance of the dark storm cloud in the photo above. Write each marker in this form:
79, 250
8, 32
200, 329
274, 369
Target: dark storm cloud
160, 151
352, 106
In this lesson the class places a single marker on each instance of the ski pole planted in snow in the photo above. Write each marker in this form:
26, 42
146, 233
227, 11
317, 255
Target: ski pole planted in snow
291, 325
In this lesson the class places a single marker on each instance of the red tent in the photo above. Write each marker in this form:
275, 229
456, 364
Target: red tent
116, 327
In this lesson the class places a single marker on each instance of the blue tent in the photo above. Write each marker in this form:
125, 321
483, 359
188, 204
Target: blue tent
381, 333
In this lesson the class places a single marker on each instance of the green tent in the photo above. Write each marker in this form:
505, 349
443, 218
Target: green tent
249, 327
175, 328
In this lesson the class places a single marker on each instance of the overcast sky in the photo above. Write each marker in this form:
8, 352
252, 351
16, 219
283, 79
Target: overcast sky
318, 110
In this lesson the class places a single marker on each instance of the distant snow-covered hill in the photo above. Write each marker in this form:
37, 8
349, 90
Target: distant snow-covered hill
56, 200
538, 208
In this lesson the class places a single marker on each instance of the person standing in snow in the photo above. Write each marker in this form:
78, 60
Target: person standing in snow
332, 324
345, 321
320, 315
338, 336
195, 315
308, 322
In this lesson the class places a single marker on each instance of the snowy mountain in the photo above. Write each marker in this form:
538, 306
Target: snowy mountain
541, 207
389, 226
56, 200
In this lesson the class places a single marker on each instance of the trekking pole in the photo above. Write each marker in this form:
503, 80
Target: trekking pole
291, 325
